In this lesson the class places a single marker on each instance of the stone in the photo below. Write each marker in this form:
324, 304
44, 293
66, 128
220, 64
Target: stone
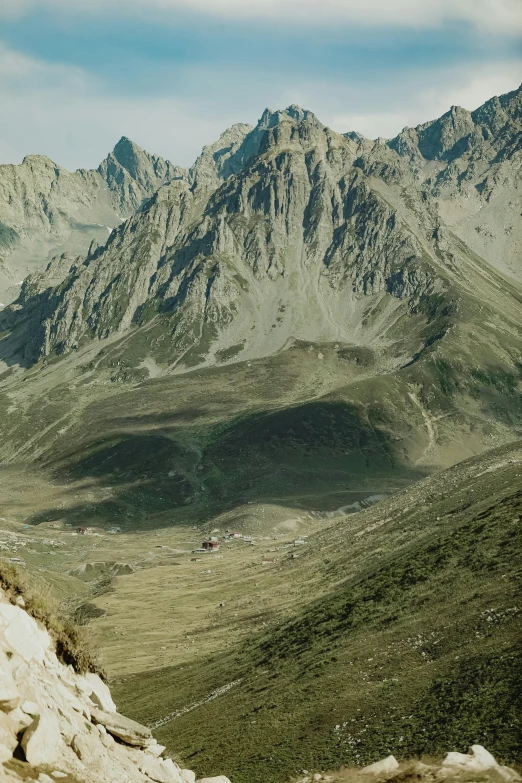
9, 694
41, 741
22, 633
382, 767
477, 759
100, 693
454, 759
220, 779
155, 750
58, 775
107, 740
160, 770
482, 758
30, 708
187, 776
128, 730
89, 750
21, 719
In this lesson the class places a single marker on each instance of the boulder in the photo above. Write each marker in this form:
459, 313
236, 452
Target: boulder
187, 776
477, 759
9, 695
220, 779
100, 693
21, 719
482, 758
89, 750
125, 729
160, 770
382, 767
42, 741
22, 633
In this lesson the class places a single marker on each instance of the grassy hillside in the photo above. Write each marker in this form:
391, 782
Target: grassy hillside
413, 648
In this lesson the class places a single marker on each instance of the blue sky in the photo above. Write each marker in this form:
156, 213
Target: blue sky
173, 74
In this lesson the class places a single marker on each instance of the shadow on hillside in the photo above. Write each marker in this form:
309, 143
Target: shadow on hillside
296, 456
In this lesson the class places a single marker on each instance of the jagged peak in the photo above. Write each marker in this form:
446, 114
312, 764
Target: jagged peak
271, 118
232, 134
128, 154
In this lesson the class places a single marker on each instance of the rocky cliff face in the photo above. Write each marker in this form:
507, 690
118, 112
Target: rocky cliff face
56, 724
470, 163
290, 231
44, 208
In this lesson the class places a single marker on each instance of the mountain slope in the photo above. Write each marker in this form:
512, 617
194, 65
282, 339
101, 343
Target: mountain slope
470, 162
405, 640
45, 209
284, 241
290, 231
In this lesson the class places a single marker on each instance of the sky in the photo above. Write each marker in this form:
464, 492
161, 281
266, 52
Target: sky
76, 75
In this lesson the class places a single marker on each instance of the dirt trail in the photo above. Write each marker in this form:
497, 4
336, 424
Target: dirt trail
183, 711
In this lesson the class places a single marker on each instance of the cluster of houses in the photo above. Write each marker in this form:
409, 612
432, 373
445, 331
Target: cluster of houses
212, 544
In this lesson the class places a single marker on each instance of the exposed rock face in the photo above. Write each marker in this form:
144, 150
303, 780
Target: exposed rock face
132, 175
290, 231
44, 208
64, 724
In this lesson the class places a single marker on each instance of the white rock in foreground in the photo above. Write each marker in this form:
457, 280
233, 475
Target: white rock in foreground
9, 695
100, 693
382, 767
220, 779
478, 758
42, 740
47, 714
128, 730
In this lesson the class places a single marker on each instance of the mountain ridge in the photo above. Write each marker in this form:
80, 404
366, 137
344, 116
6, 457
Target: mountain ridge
46, 209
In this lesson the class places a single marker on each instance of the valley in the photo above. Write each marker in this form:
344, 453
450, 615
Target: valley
308, 340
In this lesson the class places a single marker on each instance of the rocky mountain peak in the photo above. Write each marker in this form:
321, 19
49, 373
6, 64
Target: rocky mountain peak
270, 118
133, 175
224, 157
130, 155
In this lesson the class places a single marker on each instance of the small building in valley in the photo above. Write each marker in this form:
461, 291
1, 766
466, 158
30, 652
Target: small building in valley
211, 545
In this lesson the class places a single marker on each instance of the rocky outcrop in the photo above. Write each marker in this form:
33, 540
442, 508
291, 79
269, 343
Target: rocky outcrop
454, 767
55, 723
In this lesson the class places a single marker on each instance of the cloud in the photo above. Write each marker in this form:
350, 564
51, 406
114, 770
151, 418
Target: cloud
487, 15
